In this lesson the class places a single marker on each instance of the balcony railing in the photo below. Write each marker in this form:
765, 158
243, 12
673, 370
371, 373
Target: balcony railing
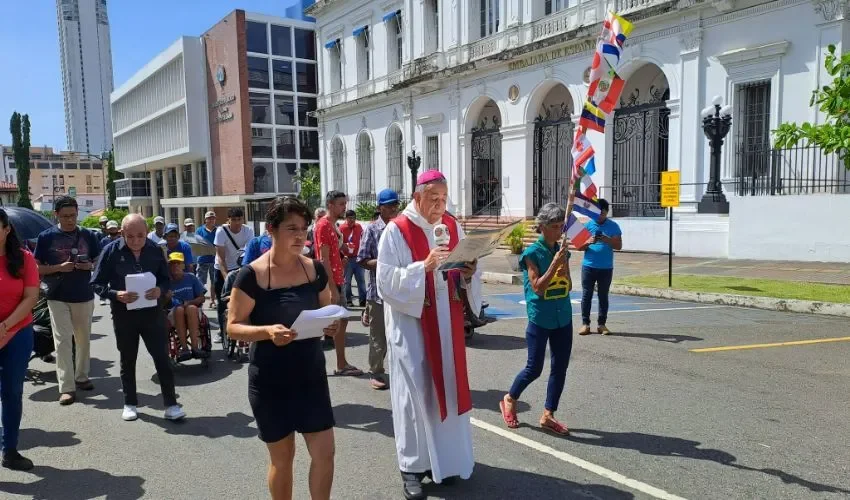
800, 170
132, 188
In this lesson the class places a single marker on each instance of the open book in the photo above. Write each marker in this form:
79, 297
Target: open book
475, 245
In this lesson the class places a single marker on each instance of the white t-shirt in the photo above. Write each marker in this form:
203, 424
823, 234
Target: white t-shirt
231, 253
156, 239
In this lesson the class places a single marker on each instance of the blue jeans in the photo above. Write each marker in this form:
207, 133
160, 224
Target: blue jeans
591, 276
353, 268
14, 360
206, 272
560, 345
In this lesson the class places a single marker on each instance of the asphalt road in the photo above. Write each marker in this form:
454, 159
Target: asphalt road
650, 419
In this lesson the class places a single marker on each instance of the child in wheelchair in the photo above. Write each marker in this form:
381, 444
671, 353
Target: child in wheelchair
185, 298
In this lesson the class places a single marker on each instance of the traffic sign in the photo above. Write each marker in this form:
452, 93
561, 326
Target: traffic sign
670, 183
72, 191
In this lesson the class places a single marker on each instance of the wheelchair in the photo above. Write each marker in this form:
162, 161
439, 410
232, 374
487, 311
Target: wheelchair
237, 350
204, 338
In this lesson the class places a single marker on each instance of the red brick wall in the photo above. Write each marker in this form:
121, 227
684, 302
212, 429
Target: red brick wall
230, 141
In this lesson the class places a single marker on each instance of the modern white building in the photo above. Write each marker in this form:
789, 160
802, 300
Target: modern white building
86, 56
221, 120
487, 92
161, 132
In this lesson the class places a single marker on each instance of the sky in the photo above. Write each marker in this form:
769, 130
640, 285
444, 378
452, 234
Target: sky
31, 79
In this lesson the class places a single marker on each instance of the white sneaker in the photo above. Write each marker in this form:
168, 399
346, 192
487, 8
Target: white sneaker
174, 413
129, 414
103, 302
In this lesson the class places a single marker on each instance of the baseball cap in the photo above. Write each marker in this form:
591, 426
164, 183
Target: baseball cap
209, 214
176, 257
387, 197
189, 222
172, 228
159, 219
103, 218
112, 225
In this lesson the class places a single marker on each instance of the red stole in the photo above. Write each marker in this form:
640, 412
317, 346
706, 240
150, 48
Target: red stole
417, 241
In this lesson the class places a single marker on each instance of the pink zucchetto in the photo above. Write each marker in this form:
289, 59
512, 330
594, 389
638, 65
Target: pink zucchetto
429, 176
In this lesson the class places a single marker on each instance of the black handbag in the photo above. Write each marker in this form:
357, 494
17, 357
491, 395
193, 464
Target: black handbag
240, 252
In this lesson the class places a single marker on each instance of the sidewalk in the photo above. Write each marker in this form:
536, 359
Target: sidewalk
629, 264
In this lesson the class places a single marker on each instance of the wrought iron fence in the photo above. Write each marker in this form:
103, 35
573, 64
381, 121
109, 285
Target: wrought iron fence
799, 170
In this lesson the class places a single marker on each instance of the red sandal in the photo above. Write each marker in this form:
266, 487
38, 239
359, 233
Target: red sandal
510, 418
555, 427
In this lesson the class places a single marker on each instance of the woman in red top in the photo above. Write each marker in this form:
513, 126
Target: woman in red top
18, 295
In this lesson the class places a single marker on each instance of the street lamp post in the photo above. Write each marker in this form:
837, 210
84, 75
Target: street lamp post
413, 162
716, 121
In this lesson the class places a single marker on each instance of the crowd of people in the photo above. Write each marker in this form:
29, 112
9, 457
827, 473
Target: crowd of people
415, 313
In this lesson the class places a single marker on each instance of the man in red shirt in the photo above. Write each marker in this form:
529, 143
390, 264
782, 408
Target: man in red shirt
328, 244
351, 234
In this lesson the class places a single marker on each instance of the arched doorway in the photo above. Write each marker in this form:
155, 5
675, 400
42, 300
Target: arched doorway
640, 152
553, 136
487, 161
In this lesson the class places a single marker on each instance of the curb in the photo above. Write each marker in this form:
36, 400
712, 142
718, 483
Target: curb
767, 303
502, 278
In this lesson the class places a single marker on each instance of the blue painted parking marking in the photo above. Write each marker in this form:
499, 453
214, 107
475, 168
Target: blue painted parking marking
512, 305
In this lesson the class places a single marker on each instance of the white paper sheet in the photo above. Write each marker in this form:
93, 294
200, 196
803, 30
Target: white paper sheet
140, 283
311, 323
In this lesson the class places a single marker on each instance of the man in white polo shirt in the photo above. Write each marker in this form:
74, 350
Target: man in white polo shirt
230, 241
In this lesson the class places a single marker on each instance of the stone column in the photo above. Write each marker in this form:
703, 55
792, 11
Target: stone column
196, 179
181, 212
515, 183
154, 195
686, 141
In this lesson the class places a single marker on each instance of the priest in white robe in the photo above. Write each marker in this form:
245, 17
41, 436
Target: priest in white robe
423, 311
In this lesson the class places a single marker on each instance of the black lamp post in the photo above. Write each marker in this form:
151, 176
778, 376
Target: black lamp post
413, 162
716, 121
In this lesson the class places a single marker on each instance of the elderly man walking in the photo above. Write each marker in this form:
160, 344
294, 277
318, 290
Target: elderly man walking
425, 335
134, 253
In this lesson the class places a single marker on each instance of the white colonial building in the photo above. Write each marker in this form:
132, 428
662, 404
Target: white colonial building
487, 92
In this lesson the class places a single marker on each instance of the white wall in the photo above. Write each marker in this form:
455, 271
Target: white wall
693, 235
808, 228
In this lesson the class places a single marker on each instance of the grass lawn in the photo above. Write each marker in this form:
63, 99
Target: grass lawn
745, 286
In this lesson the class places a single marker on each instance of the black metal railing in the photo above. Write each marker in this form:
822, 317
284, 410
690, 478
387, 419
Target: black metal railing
799, 170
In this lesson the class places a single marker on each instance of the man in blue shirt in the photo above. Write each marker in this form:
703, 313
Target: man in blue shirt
66, 254
256, 247
186, 296
597, 268
205, 262
173, 243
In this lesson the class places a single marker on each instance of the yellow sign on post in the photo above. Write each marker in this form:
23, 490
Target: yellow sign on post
670, 183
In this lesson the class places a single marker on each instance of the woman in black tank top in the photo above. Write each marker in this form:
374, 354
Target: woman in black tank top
287, 379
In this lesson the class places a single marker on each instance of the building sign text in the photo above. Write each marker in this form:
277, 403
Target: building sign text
552, 55
222, 106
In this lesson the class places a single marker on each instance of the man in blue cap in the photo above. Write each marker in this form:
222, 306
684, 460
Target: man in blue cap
173, 243
367, 257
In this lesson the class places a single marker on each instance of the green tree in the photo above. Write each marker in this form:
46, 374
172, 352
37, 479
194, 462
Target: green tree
20, 129
110, 178
309, 184
832, 136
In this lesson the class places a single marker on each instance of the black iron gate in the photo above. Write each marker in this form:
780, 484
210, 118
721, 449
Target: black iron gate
553, 161
640, 155
487, 170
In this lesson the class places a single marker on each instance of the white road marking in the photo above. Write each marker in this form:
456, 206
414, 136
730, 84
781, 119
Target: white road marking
663, 309
578, 462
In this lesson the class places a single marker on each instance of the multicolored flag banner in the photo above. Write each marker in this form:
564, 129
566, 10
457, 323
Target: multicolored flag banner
603, 94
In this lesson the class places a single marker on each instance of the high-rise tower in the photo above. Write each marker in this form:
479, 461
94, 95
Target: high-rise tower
86, 56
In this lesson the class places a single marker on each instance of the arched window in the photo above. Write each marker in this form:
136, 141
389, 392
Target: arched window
365, 182
395, 155
338, 165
